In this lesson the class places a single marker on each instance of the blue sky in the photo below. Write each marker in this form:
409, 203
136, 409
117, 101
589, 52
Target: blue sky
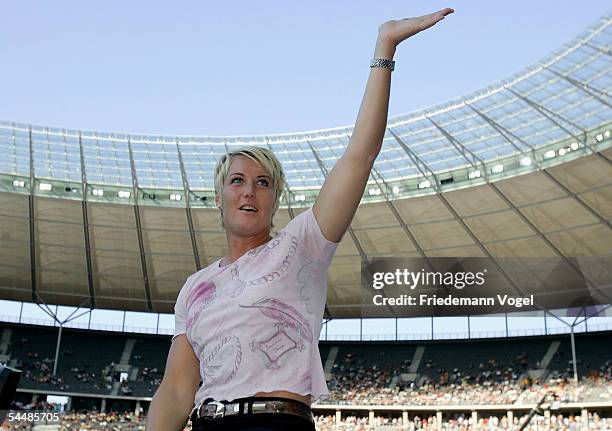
238, 67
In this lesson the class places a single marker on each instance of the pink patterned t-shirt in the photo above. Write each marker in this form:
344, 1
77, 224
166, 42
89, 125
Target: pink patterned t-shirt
254, 324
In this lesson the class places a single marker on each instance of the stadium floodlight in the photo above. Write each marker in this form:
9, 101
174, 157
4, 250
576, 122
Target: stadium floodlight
497, 169
98, 192
175, 197
562, 151
474, 174
550, 154
19, 183
300, 198
44, 186
374, 191
396, 189
574, 146
123, 194
607, 134
424, 184
526, 161
599, 137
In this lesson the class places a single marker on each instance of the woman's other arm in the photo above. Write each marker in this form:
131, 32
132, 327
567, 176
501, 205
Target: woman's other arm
340, 195
173, 401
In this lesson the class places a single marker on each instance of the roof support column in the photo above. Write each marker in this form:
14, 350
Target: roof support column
194, 245
286, 189
31, 220
143, 259
90, 283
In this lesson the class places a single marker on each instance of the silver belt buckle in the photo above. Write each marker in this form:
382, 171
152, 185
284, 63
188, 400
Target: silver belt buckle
219, 408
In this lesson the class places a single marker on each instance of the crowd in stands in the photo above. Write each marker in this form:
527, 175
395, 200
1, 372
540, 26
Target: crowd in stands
150, 378
595, 386
353, 381
81, 421
462, 422
128, 421
40, 371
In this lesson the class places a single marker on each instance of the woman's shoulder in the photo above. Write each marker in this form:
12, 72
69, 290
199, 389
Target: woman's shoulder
300, 221
210, 268
306, 228
203, 273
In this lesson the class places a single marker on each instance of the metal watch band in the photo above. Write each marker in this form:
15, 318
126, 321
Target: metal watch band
383, 62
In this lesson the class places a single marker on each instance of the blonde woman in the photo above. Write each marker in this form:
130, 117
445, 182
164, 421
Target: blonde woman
247, 326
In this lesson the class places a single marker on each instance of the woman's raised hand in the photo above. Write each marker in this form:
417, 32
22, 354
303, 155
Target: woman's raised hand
396, 31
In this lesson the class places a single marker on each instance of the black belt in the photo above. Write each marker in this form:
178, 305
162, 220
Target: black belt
213, 410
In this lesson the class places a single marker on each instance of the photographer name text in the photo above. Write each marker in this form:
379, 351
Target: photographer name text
450, 300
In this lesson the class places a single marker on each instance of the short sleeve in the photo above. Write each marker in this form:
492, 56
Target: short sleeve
306, 228
180, 310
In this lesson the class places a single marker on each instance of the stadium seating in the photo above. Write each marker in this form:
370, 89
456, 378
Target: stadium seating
445, 372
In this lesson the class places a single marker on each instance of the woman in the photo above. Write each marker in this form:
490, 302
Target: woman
248, 324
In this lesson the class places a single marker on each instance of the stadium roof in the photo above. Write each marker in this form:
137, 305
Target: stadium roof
520, 168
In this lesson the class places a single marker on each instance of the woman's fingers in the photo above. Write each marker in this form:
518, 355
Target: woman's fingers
441, 12
397, 31
433, 18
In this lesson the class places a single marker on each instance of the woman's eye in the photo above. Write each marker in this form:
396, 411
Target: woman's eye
264, 183
235, 180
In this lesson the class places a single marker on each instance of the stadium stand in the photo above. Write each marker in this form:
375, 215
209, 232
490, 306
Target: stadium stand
497, 371
565, 421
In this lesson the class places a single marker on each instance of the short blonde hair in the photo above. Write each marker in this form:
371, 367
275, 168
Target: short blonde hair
264, 157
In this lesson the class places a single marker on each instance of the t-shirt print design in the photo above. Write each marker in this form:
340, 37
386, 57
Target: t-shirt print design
289, 333
305, 278
240, 285
203, 295
221, 363
273, 243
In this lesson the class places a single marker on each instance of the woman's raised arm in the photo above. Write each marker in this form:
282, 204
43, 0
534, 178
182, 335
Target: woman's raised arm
340, 195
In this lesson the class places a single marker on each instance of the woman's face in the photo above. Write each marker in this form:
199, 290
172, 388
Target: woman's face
247, 198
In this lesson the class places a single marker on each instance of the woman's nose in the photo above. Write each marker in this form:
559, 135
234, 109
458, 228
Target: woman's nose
249, 189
